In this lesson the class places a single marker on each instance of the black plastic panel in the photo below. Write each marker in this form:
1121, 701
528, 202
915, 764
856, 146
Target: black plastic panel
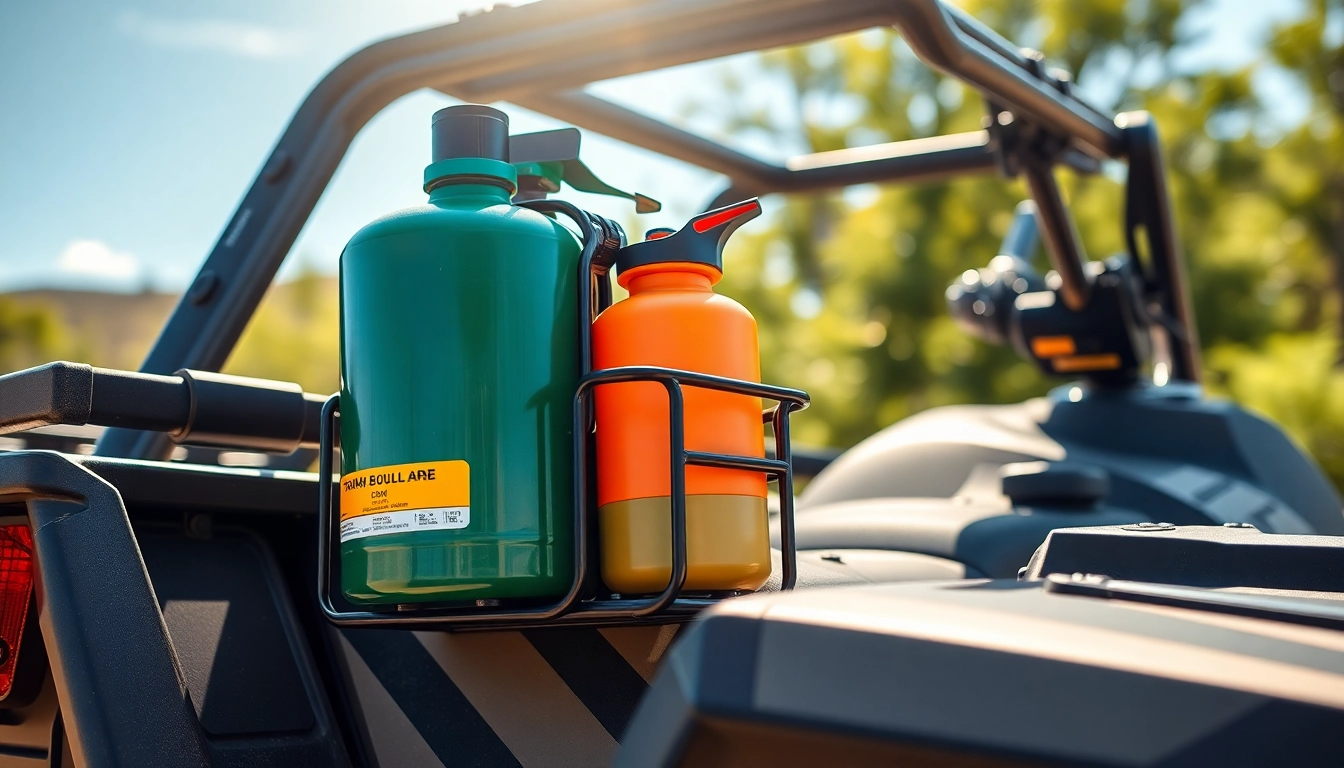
246, 664
206, 488
1196, 556
227, 633
987, 673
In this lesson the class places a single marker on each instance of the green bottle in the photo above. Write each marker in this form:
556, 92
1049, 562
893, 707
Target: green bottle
459, 325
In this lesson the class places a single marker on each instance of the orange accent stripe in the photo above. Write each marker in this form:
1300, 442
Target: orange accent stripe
1052, 346
1104, 362
723, 217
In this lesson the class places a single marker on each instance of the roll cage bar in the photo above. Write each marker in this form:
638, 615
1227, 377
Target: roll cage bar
540, 56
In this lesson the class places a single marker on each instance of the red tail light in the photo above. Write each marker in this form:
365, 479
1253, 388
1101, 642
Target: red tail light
16, 590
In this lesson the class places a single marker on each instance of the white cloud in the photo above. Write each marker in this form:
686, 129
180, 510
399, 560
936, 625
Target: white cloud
253, 41
96, 259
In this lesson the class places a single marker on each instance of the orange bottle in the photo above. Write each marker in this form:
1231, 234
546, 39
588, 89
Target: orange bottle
674, 319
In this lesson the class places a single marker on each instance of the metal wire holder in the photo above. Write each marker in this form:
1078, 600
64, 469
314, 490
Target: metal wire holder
586, 603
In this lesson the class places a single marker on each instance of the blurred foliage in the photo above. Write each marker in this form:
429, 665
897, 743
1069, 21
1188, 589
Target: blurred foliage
849, 287
292, 337
295, 335
30, 335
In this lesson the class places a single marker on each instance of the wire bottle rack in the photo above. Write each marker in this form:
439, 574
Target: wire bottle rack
587, 602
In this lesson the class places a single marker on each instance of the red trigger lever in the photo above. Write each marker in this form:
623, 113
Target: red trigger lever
721, 217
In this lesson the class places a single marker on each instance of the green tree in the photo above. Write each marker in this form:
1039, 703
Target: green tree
849, 289
1302, 174
294, 335
29, 335
1292, 227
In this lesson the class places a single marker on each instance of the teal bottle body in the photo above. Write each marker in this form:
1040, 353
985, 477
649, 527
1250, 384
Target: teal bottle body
459, 325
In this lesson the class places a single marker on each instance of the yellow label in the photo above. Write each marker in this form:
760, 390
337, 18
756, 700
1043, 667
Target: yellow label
402, 498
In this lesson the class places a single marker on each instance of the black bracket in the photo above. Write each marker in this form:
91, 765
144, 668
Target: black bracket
1025, 148
121, 690
1022, 147
1150, 232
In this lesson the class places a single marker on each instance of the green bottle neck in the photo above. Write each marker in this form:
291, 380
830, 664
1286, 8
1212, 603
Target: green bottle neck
455, 193
467, 178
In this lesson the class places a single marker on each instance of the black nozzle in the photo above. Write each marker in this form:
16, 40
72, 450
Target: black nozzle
471, 130
699, 242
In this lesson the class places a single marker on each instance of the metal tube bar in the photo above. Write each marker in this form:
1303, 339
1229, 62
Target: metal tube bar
1148, 208
1062, 243
588, 302
640, 37
676, 433
593, 40
797, 397
723, 461
788, 546
195, 408
915, 160
929, 29
987, 37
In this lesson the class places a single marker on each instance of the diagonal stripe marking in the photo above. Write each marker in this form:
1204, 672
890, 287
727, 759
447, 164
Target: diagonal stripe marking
522, 698
595, 671
444, 717
391, 735
641, 647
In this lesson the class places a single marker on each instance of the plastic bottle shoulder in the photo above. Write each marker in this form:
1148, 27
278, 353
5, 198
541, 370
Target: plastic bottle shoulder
463, 217
697, 303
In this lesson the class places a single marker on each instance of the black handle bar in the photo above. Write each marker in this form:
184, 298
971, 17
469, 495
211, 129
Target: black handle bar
190, 406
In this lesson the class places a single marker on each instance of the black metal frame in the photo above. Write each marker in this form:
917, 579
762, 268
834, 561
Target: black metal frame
100, 621
540, 55
579, 606
1148, 219
601, 238
195, 407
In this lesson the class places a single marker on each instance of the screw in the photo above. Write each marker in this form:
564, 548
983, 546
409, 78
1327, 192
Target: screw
1089, 578
203, 288
277, 168
1148, 527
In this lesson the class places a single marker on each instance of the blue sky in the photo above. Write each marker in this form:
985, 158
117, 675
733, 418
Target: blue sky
129, 130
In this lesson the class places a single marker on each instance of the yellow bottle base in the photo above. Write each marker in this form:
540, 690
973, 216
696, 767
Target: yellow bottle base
727, 543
